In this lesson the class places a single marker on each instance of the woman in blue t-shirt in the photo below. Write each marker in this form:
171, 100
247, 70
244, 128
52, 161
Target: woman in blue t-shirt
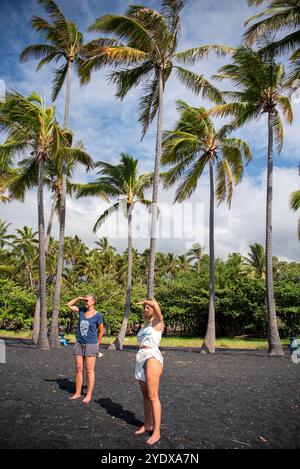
89, 335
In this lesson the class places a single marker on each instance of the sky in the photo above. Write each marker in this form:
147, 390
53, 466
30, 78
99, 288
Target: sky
108, 127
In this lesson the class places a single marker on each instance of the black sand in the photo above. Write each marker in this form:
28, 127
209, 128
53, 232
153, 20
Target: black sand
227, 400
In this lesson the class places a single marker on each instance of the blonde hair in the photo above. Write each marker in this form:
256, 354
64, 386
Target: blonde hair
156, 304
92, 296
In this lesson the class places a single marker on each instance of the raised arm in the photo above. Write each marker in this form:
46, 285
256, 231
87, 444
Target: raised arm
156, 308
72, 304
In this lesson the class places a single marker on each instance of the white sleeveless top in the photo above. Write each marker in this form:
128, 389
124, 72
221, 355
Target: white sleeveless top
149, 336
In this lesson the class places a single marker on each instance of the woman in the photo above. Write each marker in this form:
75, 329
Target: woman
149, 366
89, 335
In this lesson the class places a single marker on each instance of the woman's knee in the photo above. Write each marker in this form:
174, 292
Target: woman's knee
79, 368
152, 396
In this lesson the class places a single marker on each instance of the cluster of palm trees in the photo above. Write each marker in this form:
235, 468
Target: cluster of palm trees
143, 48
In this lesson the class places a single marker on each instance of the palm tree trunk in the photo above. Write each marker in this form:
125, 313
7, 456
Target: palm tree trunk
118, 343
275, 347
150, 289
43, 337
36, 321
209, 344
54, 338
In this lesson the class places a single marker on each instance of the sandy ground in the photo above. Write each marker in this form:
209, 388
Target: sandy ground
233, 399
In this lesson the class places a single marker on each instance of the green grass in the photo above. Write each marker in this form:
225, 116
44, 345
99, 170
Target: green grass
238, 343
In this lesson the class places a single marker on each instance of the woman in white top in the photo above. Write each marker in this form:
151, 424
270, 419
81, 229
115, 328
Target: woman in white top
149, 366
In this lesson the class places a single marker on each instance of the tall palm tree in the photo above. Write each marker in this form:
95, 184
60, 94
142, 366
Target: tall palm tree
122, 184
295, 205
26, 178
63, 41
192, 146
149, 55
195, 254
262, 90
256, 259
31, 127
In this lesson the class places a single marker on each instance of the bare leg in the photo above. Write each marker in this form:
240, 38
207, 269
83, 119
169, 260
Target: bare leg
153, 371
148, 426
79, 376
90, 373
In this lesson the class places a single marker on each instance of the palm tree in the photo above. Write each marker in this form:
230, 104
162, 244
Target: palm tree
170, 266
63, 41
122, 184
104, 246
295, 205
195, 254
183, 263
262, 87
193, 145
256, 260
149, 54
31, 127
26, 178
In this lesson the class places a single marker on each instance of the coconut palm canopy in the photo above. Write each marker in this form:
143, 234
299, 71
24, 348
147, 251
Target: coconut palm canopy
109, 126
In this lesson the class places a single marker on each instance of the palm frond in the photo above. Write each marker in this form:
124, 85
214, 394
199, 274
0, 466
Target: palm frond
190, 56
126, 79
199, 85
58, 81
53, 11
148, 105
105, 215
89, 190
278, 130
125, 28
114, 56
285, 105
37, 51
190, 180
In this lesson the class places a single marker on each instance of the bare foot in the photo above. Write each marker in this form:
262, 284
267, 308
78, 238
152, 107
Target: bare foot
75, 396
153, 439
87, 399
142, 430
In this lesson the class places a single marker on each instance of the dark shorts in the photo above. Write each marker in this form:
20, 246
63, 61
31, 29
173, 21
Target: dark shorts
86, 350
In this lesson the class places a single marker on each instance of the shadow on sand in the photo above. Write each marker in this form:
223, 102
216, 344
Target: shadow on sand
116, 410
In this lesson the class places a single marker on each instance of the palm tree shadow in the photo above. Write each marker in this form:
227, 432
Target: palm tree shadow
116, 410
64, 384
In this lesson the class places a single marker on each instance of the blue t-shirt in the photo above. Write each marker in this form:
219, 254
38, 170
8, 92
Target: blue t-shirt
87, 331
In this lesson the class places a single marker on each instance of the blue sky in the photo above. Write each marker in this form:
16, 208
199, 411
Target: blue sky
108, 127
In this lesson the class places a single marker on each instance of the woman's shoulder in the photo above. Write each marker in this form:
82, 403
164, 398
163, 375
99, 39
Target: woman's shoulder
158, 326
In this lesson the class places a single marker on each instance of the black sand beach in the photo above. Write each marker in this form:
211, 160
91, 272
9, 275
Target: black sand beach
233, 399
